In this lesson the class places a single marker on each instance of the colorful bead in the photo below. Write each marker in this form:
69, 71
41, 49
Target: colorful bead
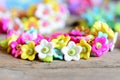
101, 26
99, 46
45, 50
44, 11
31, 22
61, 41
71, 52
15, 49
28, 51
4, 22
33, 33
86, 49
58, 54
6, 43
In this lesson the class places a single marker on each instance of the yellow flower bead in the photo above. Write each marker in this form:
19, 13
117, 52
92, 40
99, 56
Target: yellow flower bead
28, 51
103, 27
31, 22
61, 41
5, 43
86, 49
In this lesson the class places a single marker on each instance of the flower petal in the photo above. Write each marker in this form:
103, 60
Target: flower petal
44, 42
71, 44
24, 55
65, 50
78, 49
67, 58
38, 48
41, 55
76, 57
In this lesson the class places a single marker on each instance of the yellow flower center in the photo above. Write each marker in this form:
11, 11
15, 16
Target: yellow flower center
30, 52
45, 50
72, 52
98, 45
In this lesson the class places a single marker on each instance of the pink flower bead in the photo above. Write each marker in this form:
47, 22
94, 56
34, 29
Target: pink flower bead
75, 33
23, 38
4, 25
10, 32
15, 49
75, 36
39, 38
99, 46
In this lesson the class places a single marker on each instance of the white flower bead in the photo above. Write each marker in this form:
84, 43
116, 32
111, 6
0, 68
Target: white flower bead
44, 11
44, 49
71, 52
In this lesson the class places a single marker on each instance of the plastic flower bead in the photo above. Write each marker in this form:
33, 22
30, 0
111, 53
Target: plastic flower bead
16, 25
15, 49
61, 41
46, 26
4, 22
31, 22
99, 46
45, 50
10, 33
101, 26
28, 51
33, 32
24, 38
44, 11
75, 33
101, 34
38, 39
71, 52
86, 49
75, 36
58, 54
5, 43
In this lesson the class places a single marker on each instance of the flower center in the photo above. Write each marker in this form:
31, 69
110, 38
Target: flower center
46, 11
45, 50
45, 24
30, 52
72, 52
61, 41
98, 45
18, 46
16, 27
84, 49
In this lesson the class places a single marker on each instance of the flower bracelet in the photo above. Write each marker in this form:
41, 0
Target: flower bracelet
71, 46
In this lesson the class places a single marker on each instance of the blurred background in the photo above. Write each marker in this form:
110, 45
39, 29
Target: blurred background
85, 12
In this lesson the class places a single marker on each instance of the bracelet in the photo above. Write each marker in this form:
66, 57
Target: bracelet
72, 46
